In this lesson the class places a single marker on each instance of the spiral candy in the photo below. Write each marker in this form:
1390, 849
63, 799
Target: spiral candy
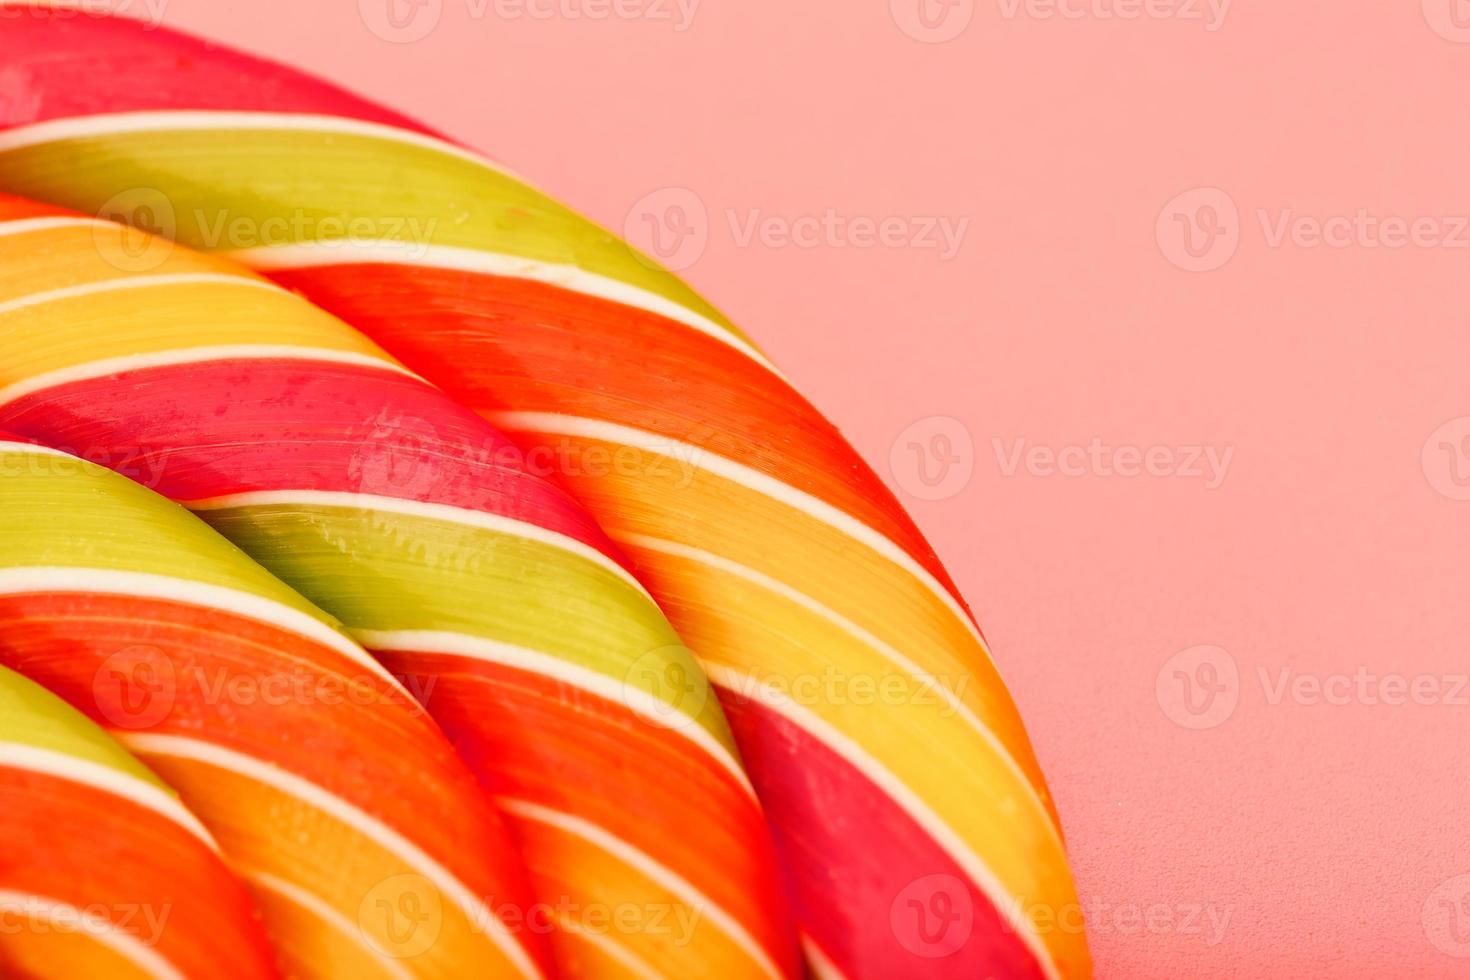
494, 597
308, 763
105, 873
910, 814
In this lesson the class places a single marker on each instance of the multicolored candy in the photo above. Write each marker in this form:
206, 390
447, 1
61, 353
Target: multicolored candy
497, 599
366, 842
104, 872
909, 808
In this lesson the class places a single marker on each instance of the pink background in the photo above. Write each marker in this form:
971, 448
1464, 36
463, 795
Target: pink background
1271, 834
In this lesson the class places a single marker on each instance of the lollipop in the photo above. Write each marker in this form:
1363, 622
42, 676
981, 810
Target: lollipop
367, 844
908, 805
409, 518
105, 873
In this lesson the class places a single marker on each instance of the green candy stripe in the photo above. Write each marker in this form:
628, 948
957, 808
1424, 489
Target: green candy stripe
31, 715
358, 185
383, 571
58, 510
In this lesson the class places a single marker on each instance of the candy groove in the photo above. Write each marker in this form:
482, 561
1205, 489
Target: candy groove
107, 874
143, 618
776, 553
496, 598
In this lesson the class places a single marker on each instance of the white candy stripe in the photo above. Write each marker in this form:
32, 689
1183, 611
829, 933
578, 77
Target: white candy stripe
821, 966
91, 370
637, 700
312, 255
268, 257
65, 917
429, 511
20, 755
11, 446
135, 282
751, 479
610, 949
748, 686
26, 226
379, 833
37, 578
887, 651
647, 866
328, 915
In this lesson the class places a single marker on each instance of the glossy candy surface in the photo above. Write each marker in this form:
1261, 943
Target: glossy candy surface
104, 872
907, 803
499, 601
331, 793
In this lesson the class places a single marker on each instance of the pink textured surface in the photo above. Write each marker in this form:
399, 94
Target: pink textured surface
1278, 832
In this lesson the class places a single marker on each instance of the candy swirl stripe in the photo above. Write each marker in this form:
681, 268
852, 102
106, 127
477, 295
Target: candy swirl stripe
140, 616
770, 489
106, 873
417, 525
